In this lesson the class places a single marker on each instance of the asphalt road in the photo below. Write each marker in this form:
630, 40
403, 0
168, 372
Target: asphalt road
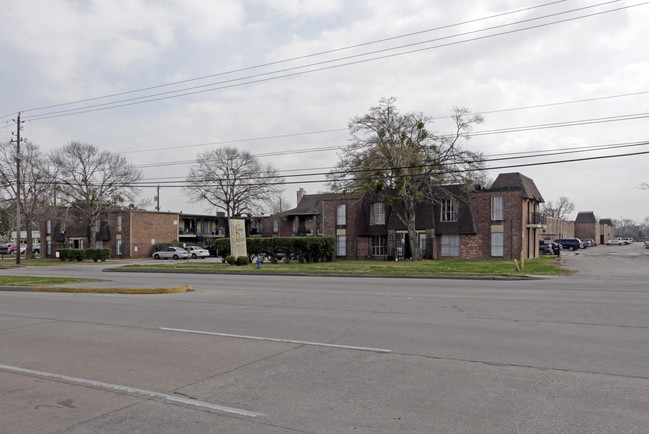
275, 354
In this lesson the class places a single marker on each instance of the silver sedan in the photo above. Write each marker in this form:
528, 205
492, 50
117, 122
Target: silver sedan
171, 253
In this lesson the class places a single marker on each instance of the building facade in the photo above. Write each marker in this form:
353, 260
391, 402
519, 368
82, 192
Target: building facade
502, 221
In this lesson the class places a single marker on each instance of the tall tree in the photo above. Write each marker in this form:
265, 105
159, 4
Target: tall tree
36, 184
232, 181
559, 209
93, 181
395, 156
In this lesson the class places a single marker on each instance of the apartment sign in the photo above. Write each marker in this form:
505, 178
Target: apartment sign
238, 237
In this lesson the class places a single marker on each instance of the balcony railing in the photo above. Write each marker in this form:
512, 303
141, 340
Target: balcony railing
536, 219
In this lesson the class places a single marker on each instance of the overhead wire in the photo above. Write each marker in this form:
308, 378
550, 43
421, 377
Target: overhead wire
306, 56
254, 79
471, 134
484, 160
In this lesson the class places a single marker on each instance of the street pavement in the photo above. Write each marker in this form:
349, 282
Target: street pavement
280, 354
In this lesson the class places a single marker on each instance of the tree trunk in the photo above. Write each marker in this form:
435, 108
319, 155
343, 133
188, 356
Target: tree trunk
413, 238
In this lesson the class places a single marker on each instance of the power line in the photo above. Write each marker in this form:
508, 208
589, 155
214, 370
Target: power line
488, 159
175, 83
256, 79
509, 166
472, 134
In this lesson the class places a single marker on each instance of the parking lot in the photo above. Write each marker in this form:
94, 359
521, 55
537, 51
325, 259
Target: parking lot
335, 354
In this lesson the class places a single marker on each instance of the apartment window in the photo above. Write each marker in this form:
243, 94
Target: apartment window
449, 210
341, 215
294, 227
497, 244
97, 225
379, 245
120, 247
450, 245
99, 244
378, 214
119, 223
497, 208
341, 245
49, 227
275, 226
422, 243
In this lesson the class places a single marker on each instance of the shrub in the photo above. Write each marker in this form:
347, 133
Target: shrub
98, 254
77, 254
242, 260
222, 246
230, 260
309, 249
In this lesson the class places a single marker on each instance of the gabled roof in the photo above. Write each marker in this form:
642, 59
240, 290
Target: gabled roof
586, 217
517, 181
310, 204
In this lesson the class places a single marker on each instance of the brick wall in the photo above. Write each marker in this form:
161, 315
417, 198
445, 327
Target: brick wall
139, 229
558, 229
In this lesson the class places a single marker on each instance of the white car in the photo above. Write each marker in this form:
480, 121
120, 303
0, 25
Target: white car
197, 252
171, 253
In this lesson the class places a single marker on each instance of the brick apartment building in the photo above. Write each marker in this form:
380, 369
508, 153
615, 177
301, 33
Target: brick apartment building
129, 234
587, 227
502, 221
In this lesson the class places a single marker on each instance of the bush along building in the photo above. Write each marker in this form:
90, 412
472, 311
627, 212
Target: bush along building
467, 222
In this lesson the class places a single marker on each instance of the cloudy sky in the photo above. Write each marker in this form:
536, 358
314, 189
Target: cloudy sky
558, 82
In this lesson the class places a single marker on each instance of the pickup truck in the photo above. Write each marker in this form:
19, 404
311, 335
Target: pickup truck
618, 241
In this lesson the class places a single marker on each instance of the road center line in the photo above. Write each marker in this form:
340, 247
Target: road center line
289, 341
131, 390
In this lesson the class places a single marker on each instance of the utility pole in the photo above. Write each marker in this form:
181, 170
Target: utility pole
18, 140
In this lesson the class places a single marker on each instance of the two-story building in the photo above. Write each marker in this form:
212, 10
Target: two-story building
502, 221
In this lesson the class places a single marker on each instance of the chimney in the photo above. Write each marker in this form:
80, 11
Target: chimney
300, 194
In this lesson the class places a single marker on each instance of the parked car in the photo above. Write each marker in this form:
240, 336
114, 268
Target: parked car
570, 243
12, 248
171, 253
197, 252
36, 248
4, 249
629, 240
588, 242
646, 242
547, 247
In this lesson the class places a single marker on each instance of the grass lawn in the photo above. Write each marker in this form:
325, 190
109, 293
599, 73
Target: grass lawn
40, 281
546, 265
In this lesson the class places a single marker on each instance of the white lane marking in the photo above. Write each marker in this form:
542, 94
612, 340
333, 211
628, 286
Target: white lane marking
289, 341
131, 390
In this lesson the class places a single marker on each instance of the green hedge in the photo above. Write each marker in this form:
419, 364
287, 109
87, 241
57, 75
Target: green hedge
81, 254
307, 249
98, 254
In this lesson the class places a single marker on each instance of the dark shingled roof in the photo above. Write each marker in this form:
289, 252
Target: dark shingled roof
586, 217
606, 222
310, 204
517, 181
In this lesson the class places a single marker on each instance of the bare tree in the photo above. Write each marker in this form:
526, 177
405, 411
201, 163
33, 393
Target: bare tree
93, 181
558, 210
395, 156
232, 181
36, 186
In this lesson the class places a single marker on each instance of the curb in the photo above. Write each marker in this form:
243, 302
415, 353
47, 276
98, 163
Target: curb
98, 290
386, 276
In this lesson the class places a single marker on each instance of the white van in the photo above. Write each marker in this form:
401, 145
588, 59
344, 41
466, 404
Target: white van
646, 242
